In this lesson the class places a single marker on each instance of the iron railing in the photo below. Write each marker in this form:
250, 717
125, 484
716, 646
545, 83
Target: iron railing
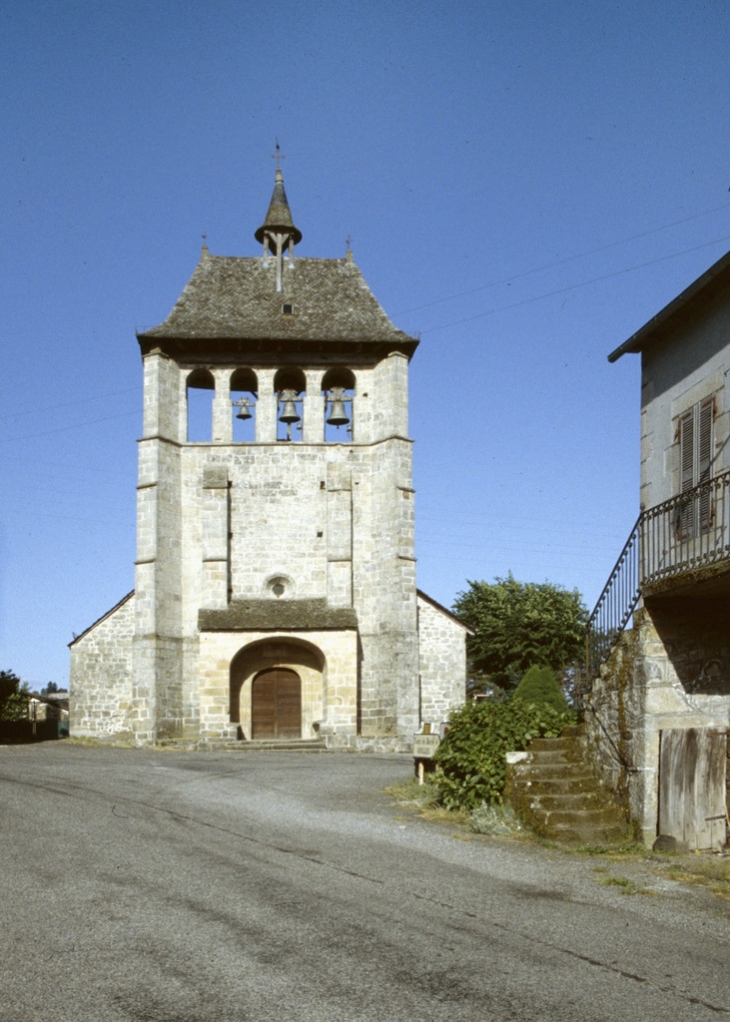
686, 532
615, 605
683, 534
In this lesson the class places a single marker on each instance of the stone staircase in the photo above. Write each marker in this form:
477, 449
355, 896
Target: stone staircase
555, 791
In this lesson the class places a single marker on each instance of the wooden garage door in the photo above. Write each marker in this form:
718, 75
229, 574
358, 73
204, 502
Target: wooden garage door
692, 791
276, 704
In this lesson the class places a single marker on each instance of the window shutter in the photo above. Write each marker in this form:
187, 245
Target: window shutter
685, 518
704, 461
704, 441
686, 452
695, 467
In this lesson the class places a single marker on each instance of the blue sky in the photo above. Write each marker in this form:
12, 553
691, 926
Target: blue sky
525, 185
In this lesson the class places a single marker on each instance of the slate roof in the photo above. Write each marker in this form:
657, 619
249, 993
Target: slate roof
230, 298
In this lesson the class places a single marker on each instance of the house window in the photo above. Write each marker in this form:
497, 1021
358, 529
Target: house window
695, 435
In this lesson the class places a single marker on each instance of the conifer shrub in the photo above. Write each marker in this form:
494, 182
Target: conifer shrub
539, 685
471, 756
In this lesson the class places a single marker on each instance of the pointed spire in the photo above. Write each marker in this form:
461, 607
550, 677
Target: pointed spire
278, 220
278, 232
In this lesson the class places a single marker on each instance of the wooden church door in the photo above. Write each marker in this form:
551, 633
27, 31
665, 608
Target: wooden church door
276, 704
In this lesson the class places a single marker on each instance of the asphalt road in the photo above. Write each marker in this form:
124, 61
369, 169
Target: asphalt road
165, 886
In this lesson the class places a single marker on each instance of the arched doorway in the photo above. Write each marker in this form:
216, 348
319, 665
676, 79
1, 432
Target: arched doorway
276, 704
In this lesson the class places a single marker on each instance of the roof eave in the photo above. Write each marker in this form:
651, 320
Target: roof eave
647, 335
206, 344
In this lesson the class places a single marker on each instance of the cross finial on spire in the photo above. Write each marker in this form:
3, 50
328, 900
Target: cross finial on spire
278, 155
348, 241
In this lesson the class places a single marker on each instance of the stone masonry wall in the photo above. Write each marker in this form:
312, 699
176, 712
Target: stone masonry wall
226, 521
637, 695
100, 689
442, 663
330, 521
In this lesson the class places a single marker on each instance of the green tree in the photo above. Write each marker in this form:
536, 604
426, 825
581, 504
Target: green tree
519, 624
13, 697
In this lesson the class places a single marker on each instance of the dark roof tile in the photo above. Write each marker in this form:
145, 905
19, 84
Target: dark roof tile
275, 615
229, 297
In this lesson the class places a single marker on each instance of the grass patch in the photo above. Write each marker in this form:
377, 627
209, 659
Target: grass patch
625, 885
411, 793
496, 820
628, 851
712, 872
423, 800
100, 743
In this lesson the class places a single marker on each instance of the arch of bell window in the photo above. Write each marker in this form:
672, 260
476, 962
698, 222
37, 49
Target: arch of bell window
200, 392
338, 388
290, 388
244, 390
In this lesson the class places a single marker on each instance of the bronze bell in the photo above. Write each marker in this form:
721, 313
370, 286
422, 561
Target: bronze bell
338, 415
243, 408
289, 413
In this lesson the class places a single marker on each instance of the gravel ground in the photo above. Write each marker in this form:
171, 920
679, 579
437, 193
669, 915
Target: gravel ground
147, 884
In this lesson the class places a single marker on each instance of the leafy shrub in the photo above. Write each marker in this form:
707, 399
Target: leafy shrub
539, 685
471, 756
13, 697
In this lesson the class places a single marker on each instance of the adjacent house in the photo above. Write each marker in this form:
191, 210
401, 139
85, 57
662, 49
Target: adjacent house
275, 581
659, 707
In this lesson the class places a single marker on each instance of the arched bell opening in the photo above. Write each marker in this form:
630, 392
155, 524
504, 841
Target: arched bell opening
244, 395
200, 392
338, 388
263, 697
290, 387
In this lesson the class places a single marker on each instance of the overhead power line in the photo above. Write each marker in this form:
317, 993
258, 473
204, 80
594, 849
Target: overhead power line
562, 262
573, 287
33, 410
65, 429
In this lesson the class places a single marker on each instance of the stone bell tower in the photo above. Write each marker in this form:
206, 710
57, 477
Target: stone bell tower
290, 550
275, 591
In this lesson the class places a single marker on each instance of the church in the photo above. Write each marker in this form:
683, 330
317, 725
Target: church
275, 593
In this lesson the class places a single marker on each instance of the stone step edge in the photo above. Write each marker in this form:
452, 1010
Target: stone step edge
261, 745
